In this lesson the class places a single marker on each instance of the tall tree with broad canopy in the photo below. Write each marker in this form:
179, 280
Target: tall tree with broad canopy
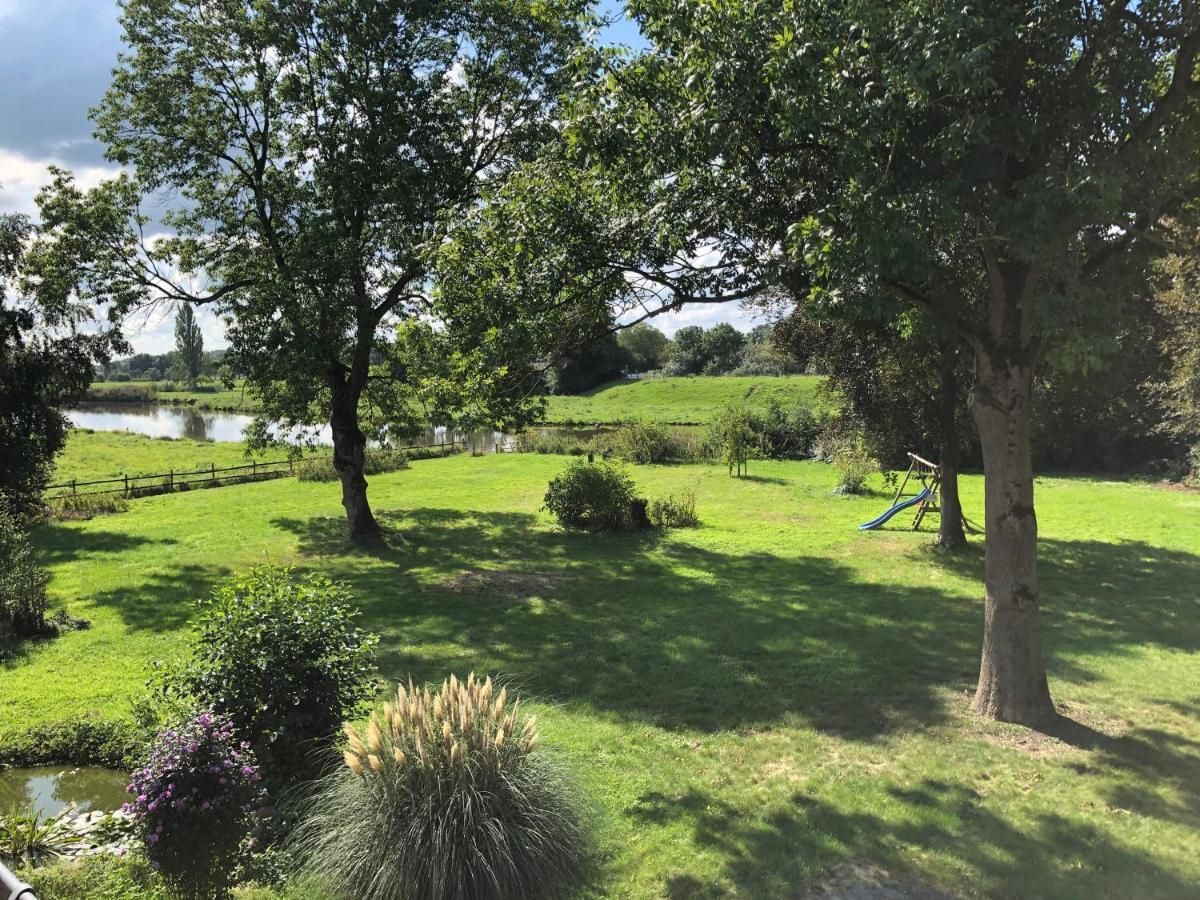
50, 346
1005, 167
319, 151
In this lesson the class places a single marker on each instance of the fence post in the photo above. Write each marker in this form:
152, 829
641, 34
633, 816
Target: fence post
253, 468
171, 479
213, 470
73, 491
126, 477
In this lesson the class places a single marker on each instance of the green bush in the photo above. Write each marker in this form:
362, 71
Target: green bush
596, 496
784, 434
445, 795
376, 460
100, 877
284, 658
734, 438
22, 582
557, 441
853, 463
674, 512
85, 506
646, 442
86, 740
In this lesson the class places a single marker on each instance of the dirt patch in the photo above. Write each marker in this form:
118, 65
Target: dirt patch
863, 881
1178, 487
1079, 727
501, 584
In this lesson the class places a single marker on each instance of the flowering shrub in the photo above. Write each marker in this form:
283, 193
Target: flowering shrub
284, 657
445, 795
192, 800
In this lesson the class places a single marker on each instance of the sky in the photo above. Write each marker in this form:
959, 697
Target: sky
55, 60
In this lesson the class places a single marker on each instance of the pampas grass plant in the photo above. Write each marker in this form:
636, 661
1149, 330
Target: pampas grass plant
444, 794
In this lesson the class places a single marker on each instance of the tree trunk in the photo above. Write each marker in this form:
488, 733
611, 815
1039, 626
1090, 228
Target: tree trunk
1012, 676
950, 526
349, 445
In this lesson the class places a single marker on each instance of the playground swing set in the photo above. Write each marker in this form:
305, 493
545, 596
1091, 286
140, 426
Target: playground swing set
926, 475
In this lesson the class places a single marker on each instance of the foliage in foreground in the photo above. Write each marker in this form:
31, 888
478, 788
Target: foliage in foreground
284, 658
22, 582
30, 838
100, 877
445, 795
192, 801
598, 496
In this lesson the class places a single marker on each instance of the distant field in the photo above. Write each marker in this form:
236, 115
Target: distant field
681, 401
235, 398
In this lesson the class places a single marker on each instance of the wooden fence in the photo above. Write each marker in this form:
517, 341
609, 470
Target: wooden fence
164, 482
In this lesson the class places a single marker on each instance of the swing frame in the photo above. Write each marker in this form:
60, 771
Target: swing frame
928, 475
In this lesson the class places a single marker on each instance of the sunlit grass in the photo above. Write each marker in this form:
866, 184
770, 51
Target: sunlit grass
755, 702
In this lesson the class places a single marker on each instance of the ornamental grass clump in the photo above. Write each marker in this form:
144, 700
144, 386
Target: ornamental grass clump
192, 802
442, 795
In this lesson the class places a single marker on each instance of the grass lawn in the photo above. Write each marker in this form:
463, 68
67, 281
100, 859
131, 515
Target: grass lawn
678, 401
95, 455
755, 704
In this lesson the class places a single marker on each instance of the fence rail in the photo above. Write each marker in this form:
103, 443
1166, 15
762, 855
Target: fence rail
162, 482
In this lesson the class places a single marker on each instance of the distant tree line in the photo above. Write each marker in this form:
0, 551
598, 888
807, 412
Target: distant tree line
720, 350
157, 366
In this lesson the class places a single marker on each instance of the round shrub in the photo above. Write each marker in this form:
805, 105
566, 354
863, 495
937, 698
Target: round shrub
284, 658
593, 495
192, 802
444, 795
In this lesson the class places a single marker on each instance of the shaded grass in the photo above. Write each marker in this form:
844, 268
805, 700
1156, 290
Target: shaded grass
753, 701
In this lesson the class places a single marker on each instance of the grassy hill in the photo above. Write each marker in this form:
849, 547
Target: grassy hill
679, 401
754, 704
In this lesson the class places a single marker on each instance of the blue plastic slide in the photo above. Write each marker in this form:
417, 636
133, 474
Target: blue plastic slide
911, 501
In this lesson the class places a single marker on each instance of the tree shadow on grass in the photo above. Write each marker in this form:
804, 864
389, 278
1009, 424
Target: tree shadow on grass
57, 545
658, 631
771, 853
1100, 597
162, 602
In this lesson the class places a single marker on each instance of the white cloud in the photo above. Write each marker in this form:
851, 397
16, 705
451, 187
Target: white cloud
21, 178
8, 7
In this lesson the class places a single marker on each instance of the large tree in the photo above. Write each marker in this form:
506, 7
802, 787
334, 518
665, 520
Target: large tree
50, 346
320, 150
1007, 168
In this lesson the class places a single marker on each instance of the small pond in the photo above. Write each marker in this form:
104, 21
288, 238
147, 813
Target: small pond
51, 789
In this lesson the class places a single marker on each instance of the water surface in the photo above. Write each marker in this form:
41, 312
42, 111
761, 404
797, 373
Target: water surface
51, 789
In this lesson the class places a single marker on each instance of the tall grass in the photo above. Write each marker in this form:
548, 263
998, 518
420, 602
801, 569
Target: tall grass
444, 795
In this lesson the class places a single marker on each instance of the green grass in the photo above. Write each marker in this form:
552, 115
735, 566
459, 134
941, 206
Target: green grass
679, 401
234, 399
755, 703
96, 455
